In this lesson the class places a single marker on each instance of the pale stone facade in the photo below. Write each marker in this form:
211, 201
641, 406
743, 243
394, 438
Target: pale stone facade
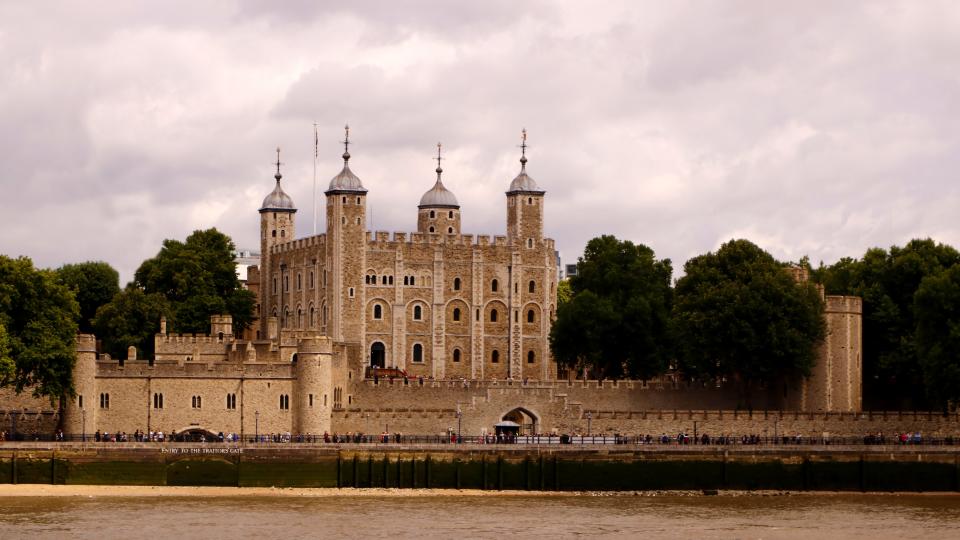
465, 317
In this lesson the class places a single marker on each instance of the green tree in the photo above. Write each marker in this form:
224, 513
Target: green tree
887, 282
7, 367
937, 309
564, 292
131, 318
616, 320
94, 284
40, 320
198, 278
739, 313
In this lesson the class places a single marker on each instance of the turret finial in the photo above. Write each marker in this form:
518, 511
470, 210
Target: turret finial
346, 143
439, 169
278, 176
523, 150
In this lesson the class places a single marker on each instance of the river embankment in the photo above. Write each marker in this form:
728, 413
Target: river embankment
486, 468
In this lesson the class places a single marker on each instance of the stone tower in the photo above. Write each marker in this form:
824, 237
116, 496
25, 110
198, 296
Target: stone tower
276, 227
80, 412
438, 211
525, 236
312, 370
346, 251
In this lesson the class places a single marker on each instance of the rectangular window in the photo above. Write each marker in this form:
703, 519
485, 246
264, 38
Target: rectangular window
311, 400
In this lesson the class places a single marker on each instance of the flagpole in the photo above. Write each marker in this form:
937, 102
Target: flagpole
315, 155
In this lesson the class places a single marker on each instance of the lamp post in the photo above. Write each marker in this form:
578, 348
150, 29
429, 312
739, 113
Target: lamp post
256, 426
589, 418
459, 423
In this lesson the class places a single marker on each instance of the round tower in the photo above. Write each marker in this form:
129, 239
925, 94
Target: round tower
438, 211
80, 410
312, 385
276, 227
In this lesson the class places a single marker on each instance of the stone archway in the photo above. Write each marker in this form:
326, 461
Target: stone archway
196, 434
528, 421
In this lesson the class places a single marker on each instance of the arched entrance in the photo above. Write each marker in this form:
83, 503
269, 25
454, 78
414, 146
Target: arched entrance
527, 421
378, 355
197, 434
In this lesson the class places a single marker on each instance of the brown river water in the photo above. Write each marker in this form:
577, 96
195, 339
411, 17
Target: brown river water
451, 515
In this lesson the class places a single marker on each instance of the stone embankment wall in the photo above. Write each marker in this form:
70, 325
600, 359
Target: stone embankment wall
555, 467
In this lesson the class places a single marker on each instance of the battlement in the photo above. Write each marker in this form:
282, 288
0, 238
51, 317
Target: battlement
318, 240
844, 304
175, 369
86, 343
385, 239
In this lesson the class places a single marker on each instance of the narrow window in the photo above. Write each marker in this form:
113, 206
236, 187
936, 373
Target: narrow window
456, 355
431, 228
283, 233
493, 315
432, 215
299, 318
406, 280
494, 285
358, 221
529, 243
478, 315
80, 401
529, 200
456, 314
450, 214
344, 200
456, 284
358, 200
532, 286
449, 230
350, 292
383, 280
418, 353
311, 400
286, 283
531, 357
417, 313
495, 357
274, 285
530, 316
299, 282
516, 316
377, 311
413, 280
157, 401
311, 279
313, 316
343, 221
391, 280
274, 233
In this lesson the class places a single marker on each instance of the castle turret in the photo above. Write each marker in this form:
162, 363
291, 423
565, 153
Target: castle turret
276, 227
438, 211
525, 206
313, 383
346, 251
80, 411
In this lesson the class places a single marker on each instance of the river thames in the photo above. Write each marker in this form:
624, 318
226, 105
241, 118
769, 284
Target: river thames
378, 514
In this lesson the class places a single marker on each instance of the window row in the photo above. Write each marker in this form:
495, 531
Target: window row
417, 355
433, 214
449, 229
371, 279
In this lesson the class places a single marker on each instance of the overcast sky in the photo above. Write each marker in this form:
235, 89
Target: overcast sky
810, 128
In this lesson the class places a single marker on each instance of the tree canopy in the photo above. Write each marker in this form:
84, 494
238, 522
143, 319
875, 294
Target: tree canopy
198, 278
7, 366
94, 284
739, 313
937, 310
616, 319
39, 317
131, 318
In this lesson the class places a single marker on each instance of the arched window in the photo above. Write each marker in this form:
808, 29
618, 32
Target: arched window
417, 353
313, 316
413, 280
377, 311
450, 214
456, 314
529, 243
431, 228
495, 357
433, 214
450, 230
456, 355
532, 286
530, 316
493, 315
531, 357
299, 281
157, 401
456, 284
299, 318
494, 285
406, 280
417, 313
529, 200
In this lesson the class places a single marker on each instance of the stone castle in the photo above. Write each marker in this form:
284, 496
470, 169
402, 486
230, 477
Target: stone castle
367, 331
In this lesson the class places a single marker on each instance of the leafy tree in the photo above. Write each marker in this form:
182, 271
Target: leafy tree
564, 292
617, 318
887, 281
39, 317
7, 367
94, 284
131, 318
198, 278
937, 309
739, 313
